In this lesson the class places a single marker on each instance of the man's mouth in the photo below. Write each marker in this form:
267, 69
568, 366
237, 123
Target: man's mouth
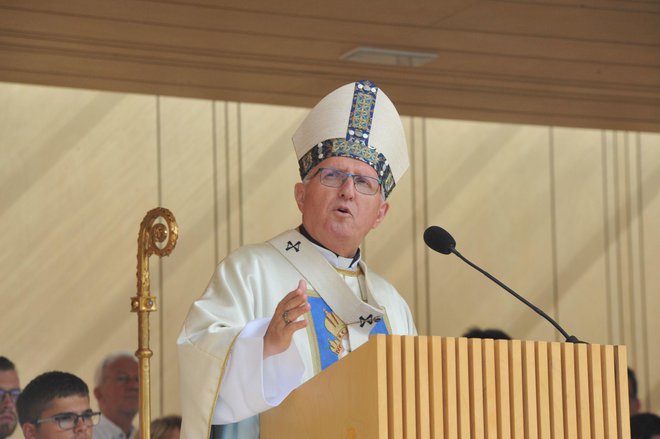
7, 418
344, 210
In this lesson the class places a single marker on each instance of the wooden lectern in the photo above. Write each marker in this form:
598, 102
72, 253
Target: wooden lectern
443, 387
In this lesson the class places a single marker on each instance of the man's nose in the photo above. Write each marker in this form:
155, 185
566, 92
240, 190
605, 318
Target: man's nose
347, 189
7, 400
80, 424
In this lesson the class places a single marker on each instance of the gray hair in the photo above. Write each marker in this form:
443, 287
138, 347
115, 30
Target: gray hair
109, 359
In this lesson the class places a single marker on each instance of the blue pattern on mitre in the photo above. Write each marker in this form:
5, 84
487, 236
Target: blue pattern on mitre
356, 143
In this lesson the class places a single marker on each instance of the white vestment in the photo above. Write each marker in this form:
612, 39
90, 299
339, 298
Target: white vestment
232, 315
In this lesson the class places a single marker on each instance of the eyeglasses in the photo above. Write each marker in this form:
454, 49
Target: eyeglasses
13, 394
335, 178
67, 421
125, 379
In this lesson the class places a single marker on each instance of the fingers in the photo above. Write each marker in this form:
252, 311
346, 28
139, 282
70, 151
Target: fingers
294, 303
295, 297
285, 321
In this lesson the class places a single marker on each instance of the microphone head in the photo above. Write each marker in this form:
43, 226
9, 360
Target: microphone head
439, 240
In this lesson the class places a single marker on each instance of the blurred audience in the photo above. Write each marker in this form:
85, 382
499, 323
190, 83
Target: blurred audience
9, 391
117, 392
167, 427
56, 405
635, 404
645, 426
496, 334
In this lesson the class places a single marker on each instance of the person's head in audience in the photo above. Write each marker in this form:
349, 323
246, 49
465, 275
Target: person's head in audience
495, 334
117, 390
9, 391
55, 405
645, 426
635, 404
167, 427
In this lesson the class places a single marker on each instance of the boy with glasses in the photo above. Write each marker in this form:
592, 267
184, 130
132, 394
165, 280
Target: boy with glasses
55, 405
275, 314
9, 391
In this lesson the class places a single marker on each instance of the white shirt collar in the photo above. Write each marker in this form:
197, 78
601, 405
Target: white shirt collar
338, 261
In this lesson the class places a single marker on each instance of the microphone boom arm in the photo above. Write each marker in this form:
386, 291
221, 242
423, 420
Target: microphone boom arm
569, 338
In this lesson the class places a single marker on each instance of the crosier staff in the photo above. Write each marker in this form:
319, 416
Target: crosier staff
158, 235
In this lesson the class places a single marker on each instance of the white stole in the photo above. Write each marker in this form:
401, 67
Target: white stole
359, 317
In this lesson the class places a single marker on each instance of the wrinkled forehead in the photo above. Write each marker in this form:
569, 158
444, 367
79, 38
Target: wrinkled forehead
8, 379
123, 365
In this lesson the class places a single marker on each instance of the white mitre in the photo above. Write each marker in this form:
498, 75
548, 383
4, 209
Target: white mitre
358, 121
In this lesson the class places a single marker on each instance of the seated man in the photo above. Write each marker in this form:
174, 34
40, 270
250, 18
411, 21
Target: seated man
9, 391
56, 405
117, 392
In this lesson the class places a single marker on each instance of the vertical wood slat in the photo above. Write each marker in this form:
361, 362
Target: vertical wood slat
394, 387
596, 392
609, 391
582, 398
409, 415
529, 388
436, 388
502, 380
543, 390
622, 403
449, 384
570, 405
469, 389
490, 391
476, 388
556, 390
515, 392
463, 380
422, 386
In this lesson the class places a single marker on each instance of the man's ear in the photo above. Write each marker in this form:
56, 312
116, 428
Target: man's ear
98, 393
29, 430
299, 195
382, 211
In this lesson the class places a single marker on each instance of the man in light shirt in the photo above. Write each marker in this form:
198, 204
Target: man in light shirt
117, 393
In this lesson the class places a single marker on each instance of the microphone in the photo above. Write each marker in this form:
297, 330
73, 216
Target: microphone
440, 240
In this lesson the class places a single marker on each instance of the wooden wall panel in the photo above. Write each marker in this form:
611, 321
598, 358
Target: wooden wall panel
580, 243
186, 144
81, 168
648, 349
488, 185
269, 171
78, 172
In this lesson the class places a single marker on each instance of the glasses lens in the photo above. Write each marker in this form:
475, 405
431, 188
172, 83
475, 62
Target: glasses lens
13, 394
365, 185
332, 177
91, 418
67, 421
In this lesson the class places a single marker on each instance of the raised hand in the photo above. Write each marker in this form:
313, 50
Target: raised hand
283, 323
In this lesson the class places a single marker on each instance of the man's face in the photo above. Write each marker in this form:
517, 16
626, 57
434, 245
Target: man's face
8, 418
51, 430
118, 393
341, 217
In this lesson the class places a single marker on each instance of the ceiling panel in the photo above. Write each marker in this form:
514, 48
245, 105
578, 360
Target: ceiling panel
586, 64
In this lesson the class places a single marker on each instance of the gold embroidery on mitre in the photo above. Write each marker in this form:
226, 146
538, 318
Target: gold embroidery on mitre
337, 328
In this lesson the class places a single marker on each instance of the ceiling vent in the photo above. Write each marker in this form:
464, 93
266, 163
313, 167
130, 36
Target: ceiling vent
388, 57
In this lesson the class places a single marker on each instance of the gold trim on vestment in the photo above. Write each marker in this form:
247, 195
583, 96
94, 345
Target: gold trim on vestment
217, 389
350, 273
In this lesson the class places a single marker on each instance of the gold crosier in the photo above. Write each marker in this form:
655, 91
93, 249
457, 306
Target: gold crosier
158, 234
